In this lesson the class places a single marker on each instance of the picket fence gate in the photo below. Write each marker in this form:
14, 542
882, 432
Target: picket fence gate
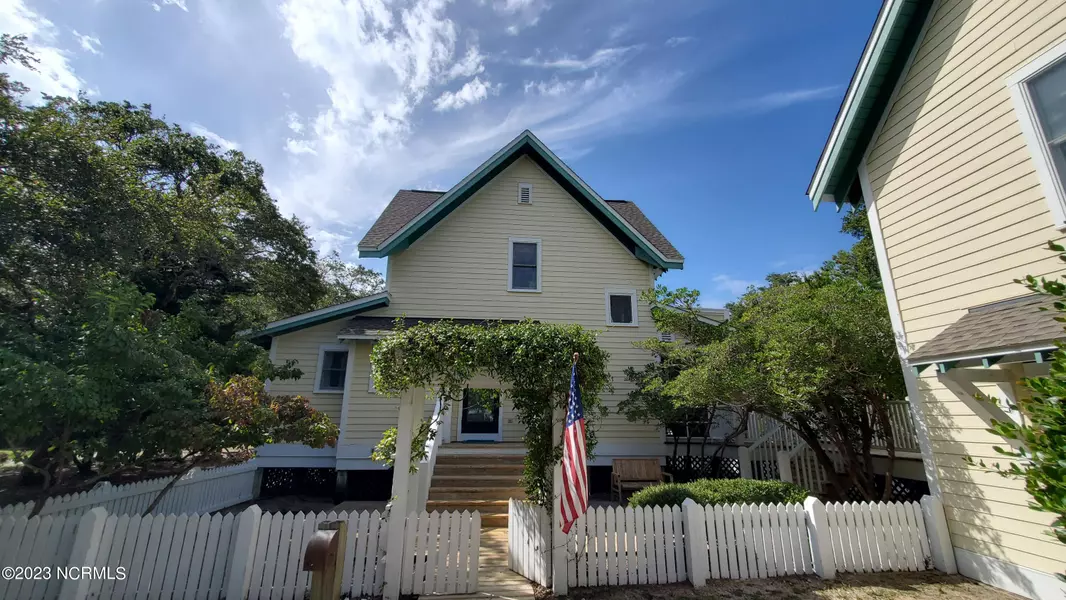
440, 553
644, 545
198, 491
872, 537
529, 530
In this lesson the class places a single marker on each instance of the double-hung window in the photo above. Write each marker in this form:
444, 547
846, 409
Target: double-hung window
332, 368
1039, 93
524, 265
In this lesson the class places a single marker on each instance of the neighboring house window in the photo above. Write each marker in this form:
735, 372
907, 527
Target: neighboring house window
525, 265
621, 307
1039, 93
332, 368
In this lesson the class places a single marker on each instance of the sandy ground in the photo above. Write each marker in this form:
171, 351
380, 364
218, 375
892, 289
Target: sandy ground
928, 585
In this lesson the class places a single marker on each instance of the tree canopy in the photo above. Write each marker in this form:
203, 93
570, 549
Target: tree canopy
814, 351
131, 255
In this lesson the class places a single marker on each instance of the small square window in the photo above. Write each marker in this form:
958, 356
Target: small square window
332, 370
622, 307
525, 265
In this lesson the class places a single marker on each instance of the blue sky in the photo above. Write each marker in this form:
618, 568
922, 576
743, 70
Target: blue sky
709, 114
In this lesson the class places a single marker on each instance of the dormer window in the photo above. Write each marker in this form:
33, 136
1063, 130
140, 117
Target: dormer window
524, 261
621, 307
525, 193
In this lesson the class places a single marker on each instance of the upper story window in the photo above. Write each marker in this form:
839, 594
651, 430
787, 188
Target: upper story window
1039, 93
621, 307
332, 368
524, 263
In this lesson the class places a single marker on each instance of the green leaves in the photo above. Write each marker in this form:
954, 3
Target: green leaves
532, 360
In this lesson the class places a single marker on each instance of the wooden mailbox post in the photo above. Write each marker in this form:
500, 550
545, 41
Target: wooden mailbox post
324, 557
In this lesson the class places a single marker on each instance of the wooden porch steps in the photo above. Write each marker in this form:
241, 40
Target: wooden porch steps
479, 477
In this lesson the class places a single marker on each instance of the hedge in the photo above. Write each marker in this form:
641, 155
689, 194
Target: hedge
719, 491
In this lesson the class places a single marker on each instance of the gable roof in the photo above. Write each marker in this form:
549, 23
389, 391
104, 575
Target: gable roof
414, 212
887, 51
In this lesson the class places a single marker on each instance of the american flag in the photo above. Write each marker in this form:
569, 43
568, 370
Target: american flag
575, 497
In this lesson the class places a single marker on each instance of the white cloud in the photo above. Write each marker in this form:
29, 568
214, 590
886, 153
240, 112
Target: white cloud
473, 92
178, 3
156, 7
471, 64
212, 137
601, 58
54, 74
779, 100
292, 119
526, 12
731, 285
299, 147
678, 40
89, 43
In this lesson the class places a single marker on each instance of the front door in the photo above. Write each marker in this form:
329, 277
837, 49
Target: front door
480, 420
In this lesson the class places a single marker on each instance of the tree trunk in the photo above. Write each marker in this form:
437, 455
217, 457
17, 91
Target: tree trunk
163, 492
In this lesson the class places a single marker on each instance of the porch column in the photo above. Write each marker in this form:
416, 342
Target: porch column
401, 481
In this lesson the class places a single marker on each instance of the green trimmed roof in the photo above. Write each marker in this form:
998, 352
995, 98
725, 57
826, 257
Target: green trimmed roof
323, 315
883, 59
414, 212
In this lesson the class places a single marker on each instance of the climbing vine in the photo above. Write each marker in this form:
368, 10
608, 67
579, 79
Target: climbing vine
532, 358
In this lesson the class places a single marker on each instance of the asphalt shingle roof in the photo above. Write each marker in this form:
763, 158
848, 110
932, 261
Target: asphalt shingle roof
407, 205
1010, 324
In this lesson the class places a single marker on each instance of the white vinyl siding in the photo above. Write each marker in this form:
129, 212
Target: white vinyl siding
304, 347
963, 214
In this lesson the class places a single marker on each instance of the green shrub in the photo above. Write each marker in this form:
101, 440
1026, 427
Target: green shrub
719, 491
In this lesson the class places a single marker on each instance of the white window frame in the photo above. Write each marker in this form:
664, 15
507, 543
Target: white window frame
322, 362
522, 186
620, 292
510, 263
1017, 83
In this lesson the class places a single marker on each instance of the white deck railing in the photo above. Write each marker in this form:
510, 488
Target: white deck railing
440, 429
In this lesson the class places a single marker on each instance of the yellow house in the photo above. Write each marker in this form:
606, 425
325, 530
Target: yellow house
520, 237
953, 132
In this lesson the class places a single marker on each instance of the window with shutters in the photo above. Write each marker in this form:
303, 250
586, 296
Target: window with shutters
524, 261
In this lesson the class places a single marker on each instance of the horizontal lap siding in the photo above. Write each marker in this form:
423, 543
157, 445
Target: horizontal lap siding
963, 214
302, 346
459, 269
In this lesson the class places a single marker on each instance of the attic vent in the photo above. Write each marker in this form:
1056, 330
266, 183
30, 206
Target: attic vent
525, 193
666, 337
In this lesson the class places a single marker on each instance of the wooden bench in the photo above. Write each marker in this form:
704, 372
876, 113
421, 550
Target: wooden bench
631, 474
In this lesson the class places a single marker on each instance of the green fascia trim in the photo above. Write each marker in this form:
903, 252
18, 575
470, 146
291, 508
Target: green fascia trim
888, 57
527, 145
321, 318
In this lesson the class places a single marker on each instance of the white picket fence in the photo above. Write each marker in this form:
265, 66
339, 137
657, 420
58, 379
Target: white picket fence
198, 491
628, 546
871, 537
529, 541
750, 541
441, 553
37, 542
255, 556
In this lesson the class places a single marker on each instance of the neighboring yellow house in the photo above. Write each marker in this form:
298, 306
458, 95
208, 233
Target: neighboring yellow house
520, 237
953, 132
